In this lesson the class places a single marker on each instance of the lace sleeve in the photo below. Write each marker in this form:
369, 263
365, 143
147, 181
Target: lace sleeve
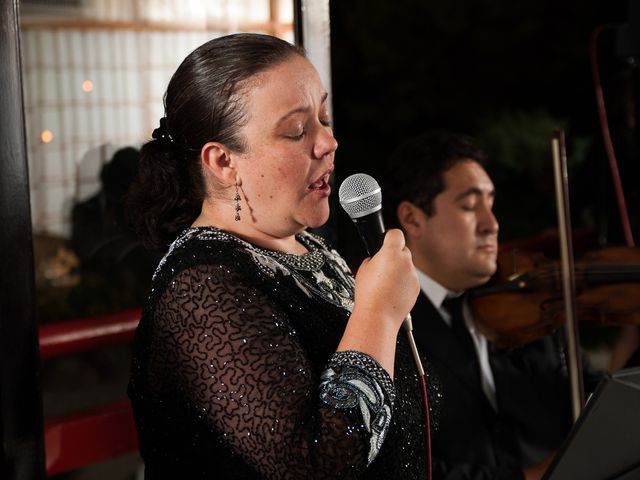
238, 361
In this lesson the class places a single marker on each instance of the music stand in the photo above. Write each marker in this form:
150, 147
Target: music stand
604, 443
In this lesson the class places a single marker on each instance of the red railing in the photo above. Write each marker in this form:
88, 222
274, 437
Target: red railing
83, 438
71, 336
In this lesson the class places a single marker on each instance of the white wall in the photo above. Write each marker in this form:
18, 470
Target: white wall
129, 57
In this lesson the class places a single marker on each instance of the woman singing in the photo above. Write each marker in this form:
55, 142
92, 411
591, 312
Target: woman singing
257, 355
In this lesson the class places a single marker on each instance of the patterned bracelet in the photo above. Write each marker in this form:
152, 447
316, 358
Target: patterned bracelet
368, 364
362, 383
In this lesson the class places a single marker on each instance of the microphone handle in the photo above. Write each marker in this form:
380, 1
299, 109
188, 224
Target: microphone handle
408, 328
371, 230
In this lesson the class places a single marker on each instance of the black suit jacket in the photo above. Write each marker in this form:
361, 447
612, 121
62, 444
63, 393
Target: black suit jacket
474, 441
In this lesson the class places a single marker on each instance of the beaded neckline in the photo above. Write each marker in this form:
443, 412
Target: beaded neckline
307, 270
311, 261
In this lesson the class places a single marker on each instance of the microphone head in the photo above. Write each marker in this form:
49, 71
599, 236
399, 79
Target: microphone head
360, 195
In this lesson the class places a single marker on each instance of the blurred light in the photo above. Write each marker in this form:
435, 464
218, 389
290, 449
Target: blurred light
87, 86
46, 136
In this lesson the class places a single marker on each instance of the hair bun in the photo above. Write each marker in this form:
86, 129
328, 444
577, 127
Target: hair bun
161, 133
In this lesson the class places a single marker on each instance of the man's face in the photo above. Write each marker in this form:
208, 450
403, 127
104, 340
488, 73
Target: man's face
458, 244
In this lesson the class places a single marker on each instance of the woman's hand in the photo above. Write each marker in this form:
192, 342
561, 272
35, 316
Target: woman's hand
387, 284
386, 290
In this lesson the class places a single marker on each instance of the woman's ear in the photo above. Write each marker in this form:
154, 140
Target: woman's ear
216, 158
409, 219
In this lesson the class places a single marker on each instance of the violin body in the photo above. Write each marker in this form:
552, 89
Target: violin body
524, 301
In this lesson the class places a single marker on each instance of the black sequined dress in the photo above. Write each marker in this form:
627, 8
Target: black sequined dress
235, 374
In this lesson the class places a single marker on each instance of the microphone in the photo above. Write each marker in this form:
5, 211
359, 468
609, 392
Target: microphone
361, 197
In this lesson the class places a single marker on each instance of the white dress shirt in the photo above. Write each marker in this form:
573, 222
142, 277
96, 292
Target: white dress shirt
436, 293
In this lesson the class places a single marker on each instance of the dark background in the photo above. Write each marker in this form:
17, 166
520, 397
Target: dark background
507, 73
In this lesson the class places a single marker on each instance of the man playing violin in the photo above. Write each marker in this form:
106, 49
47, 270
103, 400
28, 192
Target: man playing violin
505, 411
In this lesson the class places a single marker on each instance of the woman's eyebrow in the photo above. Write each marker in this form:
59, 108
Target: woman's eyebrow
301, 109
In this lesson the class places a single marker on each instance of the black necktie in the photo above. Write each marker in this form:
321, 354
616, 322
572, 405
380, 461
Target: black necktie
454, 305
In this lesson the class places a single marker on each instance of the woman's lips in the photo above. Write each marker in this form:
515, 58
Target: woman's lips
321, 186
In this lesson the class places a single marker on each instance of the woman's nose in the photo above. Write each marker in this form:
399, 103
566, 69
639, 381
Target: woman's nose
325, 143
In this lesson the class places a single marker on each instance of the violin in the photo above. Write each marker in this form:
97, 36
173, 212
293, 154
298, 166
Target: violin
524, 300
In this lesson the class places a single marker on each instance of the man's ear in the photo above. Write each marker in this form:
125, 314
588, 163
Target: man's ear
216, 159
410, 219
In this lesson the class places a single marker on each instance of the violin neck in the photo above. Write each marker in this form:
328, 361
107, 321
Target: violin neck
603, 274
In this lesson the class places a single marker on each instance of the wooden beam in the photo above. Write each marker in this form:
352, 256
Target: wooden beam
22, 454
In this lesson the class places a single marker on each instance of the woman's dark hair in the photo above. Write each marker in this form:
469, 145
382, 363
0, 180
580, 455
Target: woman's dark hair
202, 104
414, 171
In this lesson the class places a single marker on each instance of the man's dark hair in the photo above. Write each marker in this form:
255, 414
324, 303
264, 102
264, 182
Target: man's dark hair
414, 172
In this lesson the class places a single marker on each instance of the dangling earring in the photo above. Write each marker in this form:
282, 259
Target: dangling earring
238, 207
